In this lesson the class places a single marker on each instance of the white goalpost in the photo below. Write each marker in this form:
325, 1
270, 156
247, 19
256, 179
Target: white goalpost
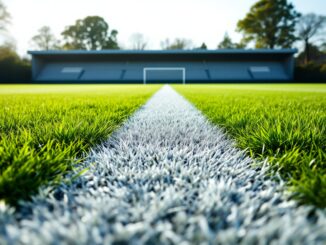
147, 69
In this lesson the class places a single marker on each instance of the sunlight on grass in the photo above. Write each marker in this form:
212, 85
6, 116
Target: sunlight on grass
286, 123
45, 128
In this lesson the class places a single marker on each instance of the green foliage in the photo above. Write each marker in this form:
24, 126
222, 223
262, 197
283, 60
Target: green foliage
91, 33
227, 43
284, 123
270, 23
13, 68
315, 55
323, 70
46, 130
203, 46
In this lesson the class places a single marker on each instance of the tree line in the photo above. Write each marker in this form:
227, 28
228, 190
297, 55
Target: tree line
269, 24
12, 67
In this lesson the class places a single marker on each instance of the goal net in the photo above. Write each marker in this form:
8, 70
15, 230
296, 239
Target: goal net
161, 74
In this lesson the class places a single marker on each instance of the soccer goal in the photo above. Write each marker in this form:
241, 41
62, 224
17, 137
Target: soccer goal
148, 70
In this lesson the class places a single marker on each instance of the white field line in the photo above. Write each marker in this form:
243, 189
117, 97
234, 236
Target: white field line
166, 177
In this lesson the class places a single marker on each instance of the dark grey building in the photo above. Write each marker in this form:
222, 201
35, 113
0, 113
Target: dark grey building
168, 66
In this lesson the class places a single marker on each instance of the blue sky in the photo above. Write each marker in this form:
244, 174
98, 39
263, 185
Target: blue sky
197, 20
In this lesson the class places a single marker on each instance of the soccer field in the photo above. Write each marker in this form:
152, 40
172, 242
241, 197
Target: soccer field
284, 123
46, 129
166, 172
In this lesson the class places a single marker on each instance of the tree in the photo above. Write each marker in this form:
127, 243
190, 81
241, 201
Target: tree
203, 46
310, 25
91, 33
45, 40
227, 43
112, 41
13, 68
4, 17
314, 55
270, 23
138, 41
323, 47
176, 44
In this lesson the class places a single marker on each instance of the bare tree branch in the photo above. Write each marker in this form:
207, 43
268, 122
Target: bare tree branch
4, 17
138, 41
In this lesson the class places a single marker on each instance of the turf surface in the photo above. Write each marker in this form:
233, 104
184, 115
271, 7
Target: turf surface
286, 123
166, 176
46, 129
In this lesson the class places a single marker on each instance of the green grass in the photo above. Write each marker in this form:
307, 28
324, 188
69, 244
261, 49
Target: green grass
286, 123
45, 130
